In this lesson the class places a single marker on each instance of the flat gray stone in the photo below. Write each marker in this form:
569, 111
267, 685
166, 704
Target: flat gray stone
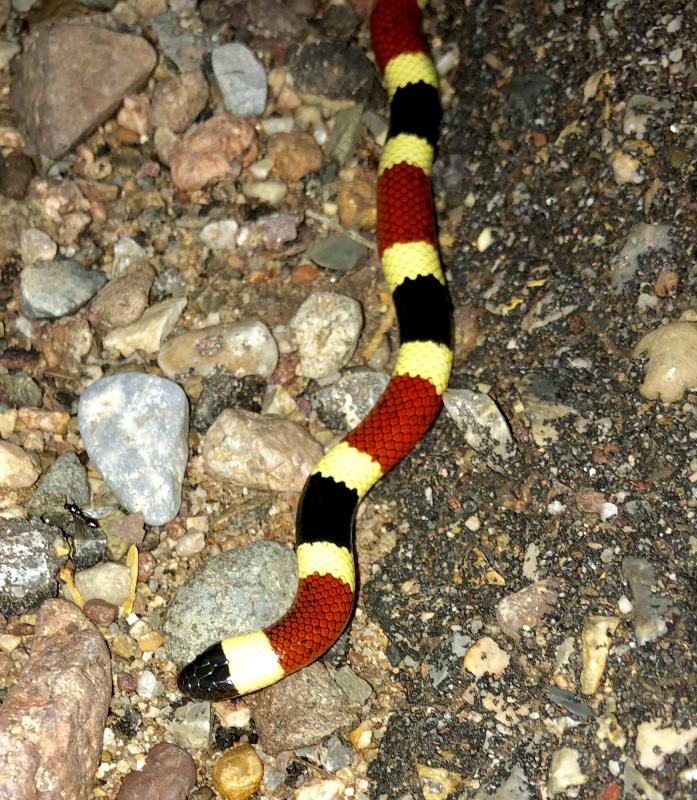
241, 78
58, 289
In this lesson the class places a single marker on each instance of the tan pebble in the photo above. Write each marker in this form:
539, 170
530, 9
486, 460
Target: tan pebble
17, 470
134, 114
672, 367
238, 773
610, 729
625, 167
8, 420
595, 648
122, 646
294, 154
150, 641
42, 420
357, 203
321, 790
485, 656
666, 282
9, 642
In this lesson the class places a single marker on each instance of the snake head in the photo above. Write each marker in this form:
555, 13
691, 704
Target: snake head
207, 677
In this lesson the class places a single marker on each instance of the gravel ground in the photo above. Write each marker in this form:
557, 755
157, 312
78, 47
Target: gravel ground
525, 615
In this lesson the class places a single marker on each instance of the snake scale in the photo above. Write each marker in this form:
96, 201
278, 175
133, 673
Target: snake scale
408, 248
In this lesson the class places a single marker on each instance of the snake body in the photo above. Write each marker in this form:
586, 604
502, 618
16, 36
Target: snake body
407, 244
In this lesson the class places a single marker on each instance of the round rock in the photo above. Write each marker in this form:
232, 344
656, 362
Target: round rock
237, 592
135, 430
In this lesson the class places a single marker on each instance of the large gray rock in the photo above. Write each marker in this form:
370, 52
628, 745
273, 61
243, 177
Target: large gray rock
52, 721
135, 429
71, 78
237, 592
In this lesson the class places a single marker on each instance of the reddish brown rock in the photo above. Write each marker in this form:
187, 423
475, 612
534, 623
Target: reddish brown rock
124, 299
219, 148
52, 722
71, 78
100, 612
169, 774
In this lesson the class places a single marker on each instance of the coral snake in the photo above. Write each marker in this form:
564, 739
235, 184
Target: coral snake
408, 249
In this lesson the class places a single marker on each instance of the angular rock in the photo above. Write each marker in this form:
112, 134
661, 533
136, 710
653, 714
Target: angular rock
71, 78
241, 78
52, 722
178, 101
57, 289
31, 553
64, 482
135, 429
146, 333
17, 470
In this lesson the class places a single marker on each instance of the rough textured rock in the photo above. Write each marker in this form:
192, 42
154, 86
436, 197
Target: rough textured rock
301, 710
31, 554
135, 429
169, 772
71, 78
52, 722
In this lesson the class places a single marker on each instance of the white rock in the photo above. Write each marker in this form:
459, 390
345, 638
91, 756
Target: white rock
565, 772
147, 333
17, 470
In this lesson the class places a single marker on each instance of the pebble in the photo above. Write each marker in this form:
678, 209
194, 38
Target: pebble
437, 783
169, 773
294, 155
57, 289
526, 607
337, 252
124, 299
191, 726
480, 419
655, 740
31, 554
109, 581
347, 130
301, 710
342, 405
241, 79
148, 686
17, 469
219, 148
58, 111
259, 451
127, 253
64, 481
52, 721
191, 543
321, 790
336, 70
260, 581
20, 390
177, 101
335, 753
135, 430
179, 43
625, 167
268, 232
565, 772
221, 235
222, 390
650, 610
241, 348
146, 333
326, 328
642, 240
100, 612
595, 638
272, 193
238, 773
354, 687
485, 657
672, 366
37, 246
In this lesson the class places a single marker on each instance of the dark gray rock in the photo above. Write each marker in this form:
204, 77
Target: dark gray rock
57, 289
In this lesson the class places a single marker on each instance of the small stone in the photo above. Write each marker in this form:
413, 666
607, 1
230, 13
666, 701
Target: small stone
191, 543
100, 612
148, 685
650, 609
241, 78
335, 753
108, 581
135, 430
655, 741
666, 282
486, 657
16, 171
134, 114
326, 328
484, 426
527, 607
221, 235
57, 289
258, 451
150, 641
357, 205
271, 193
294, 155
625, 167
124, 299
564, 772
672, 367
147, 333
17, 469
342, 405
589, 501
191, 726
596, 635
608, 511
238, 772
169, 773
337, 251
355, 688
322, 790
437, 783
37, 246
65, 480
348, 126
219, 148
178, 101
241, 348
